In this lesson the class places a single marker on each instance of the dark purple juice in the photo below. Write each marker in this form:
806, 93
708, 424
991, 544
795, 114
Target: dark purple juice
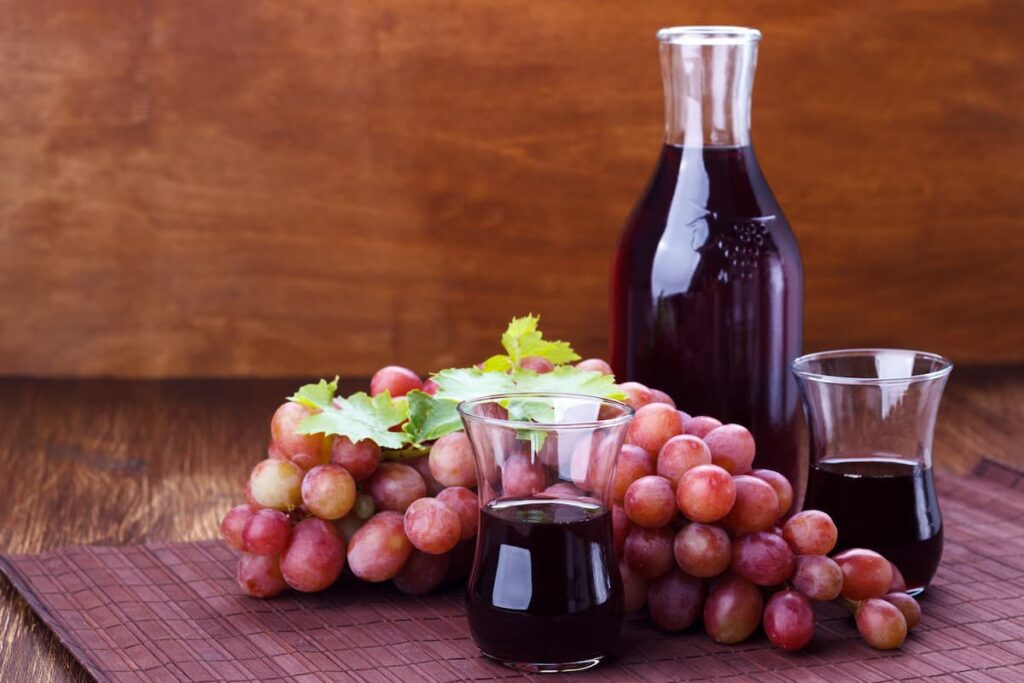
885, 504
545, 587
707, 297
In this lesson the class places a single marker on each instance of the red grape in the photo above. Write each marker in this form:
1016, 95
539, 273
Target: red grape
866, 574
659, 396
466, 505
685, 417
881, 624
267, 532
328, 491
595, 365
432, 526
395, 379
732, 448
633, 462
360, 459
634, 588
430, 387
818, 577
898, 583
649, 551
422, 573
789, 620
394, 486
762, 558
653, 425
706, 493
379, 550
702, 550
783, 489
232, 525
637, 395
275, 452
621, 526
249, 500
314, 557
680, 454
700, 425
276, 484
452, 462
756, 507
650, 501
364, 507
521, 477
422, 465
563, 489
305, 450
259, 575
811, 532
538, 364
733, 610
908, 605
349, 525
676, 600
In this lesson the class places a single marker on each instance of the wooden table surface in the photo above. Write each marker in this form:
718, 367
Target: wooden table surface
104, 461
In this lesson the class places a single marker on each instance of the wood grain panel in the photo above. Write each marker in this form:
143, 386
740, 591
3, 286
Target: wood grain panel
262, 188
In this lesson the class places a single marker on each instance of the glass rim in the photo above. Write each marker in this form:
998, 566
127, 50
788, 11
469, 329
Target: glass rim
708, 35
944, 367
464, 406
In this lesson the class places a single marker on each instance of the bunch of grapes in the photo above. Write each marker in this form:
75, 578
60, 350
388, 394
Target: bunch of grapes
320, 505
703, 536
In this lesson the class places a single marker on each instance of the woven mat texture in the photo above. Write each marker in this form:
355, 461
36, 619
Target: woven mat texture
172, 612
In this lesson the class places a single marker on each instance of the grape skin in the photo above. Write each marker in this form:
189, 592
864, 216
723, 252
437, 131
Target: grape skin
634, 588
267, 532
649, 551
466, 505
259, 575
432, 526
756, 507
762, 558
898, 583
680, 454
452, 462
348, 525
866, 574
360, 459
595, 365
521, 477
659, 396
314, 557
653, 425
305, 450
811, 532
538, 364
637, 395
789, 620
364, 506
783, 489
733, 610
706, 493
394, 486
379, 550
328, 491
700, 425
633, 463
818, 577
621, 526
233, 523
422, 573
276, 484
675, 601
395, 379
908, 605
422, 465
702, 550
650, 501
881, 624
732, 448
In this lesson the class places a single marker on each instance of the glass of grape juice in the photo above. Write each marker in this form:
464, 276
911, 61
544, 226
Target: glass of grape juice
545, 594
871, 418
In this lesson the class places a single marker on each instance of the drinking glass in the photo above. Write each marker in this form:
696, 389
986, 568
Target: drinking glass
545, 592
871, 417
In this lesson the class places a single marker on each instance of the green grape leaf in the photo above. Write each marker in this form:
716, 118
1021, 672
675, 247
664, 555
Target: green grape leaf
360, 417
522, 339
497, 363
569, 380
316, 396
430, 418
461, 384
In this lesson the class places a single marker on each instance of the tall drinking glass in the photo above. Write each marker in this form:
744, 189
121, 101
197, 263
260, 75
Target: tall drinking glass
545, 592
871, 416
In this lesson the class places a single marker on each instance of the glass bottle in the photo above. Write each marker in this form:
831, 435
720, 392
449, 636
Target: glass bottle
707, 284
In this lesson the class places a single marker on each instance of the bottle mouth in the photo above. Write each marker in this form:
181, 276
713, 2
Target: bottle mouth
708, 35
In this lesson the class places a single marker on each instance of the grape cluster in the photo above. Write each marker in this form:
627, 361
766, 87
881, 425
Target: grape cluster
318, 505
702, 536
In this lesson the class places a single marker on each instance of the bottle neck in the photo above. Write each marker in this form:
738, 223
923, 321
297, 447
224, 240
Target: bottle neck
708, 76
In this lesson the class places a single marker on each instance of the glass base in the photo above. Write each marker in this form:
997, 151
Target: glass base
547, 668
916, 592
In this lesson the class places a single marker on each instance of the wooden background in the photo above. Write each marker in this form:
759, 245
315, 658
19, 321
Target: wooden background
250, 187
